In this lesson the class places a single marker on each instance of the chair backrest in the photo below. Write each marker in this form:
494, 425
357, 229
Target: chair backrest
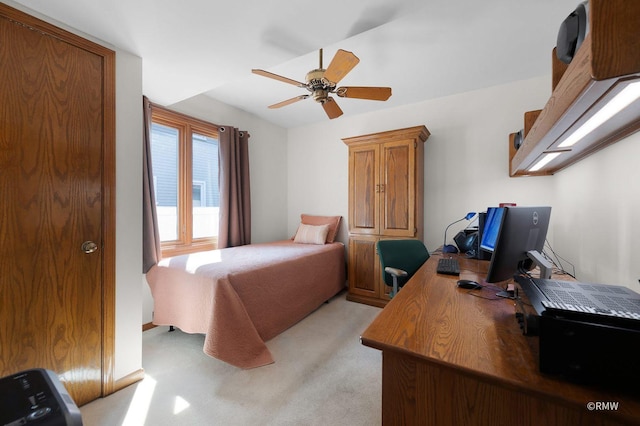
408, 255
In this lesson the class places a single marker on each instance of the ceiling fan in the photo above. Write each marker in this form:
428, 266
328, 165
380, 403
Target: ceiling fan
322, 82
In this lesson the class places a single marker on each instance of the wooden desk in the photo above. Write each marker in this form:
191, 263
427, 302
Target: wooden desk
458, 357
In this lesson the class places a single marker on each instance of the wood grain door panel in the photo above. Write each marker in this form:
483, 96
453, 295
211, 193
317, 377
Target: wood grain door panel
398, 199
52, 131
363, 275
364, 190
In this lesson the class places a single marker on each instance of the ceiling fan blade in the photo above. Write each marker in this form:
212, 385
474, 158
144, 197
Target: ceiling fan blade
340, 65
288, 101
278, 77
331, 108
371, 93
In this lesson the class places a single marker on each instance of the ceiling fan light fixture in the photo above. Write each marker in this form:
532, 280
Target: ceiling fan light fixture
320, 95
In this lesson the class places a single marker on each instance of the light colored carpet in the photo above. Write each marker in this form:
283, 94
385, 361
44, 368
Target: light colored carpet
323, 375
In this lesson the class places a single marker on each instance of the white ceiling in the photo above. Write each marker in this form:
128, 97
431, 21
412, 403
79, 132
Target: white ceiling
422, 49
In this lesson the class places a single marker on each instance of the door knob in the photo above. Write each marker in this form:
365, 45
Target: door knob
89, 247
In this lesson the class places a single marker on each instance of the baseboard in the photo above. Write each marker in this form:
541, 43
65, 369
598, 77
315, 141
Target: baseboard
128, 380
148, 326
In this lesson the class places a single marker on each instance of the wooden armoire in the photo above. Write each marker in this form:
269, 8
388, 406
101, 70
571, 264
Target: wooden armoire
386, 181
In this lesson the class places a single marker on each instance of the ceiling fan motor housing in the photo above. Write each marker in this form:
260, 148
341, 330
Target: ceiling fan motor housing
318, 85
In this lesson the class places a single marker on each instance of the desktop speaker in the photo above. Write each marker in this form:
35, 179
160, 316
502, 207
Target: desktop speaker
572, 33
518, 138
36, 397
467, 242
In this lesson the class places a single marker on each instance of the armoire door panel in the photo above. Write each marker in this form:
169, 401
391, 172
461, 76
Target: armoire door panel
362, 273
365, 190
52, 130
398, 198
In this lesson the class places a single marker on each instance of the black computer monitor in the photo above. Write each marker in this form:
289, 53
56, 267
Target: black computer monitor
518, 243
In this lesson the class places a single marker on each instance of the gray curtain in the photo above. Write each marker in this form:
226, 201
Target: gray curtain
150, 236
235, 196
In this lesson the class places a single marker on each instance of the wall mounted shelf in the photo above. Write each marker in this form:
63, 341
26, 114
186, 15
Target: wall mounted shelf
606, 65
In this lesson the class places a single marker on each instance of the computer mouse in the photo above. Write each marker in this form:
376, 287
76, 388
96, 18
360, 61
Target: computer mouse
468, 284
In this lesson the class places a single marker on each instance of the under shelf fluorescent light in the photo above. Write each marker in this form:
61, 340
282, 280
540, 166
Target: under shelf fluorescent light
619, 102
544, 161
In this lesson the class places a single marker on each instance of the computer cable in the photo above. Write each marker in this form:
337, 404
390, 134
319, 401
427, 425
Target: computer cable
559, 263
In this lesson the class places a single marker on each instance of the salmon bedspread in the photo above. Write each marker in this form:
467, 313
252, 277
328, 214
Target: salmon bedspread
241, 297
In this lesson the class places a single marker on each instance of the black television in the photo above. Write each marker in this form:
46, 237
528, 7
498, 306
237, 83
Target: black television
516, 236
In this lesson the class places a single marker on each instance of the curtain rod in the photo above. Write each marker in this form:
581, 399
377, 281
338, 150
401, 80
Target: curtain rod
153, 105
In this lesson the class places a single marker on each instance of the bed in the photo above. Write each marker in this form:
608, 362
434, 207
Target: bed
243, 296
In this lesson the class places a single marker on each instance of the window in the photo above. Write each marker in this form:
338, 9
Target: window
199, 194
184, 154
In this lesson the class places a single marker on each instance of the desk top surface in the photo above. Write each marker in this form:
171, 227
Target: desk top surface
472, 331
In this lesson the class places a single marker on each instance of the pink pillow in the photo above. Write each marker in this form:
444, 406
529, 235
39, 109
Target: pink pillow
311, 234
332, 221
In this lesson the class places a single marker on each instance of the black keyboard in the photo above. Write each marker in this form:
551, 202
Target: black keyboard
448, 266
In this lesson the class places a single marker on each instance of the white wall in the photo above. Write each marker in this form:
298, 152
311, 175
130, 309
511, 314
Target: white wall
128, 214
128, 339
466, 169
597, 222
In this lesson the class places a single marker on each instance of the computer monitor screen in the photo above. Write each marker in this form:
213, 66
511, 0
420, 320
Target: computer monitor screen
491, 228
523, 229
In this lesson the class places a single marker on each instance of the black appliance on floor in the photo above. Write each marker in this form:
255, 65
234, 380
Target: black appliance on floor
36, 397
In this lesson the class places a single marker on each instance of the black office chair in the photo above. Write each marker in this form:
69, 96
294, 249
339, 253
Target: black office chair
400, 259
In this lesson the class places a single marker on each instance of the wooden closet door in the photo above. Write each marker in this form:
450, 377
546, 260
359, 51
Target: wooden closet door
52, 136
